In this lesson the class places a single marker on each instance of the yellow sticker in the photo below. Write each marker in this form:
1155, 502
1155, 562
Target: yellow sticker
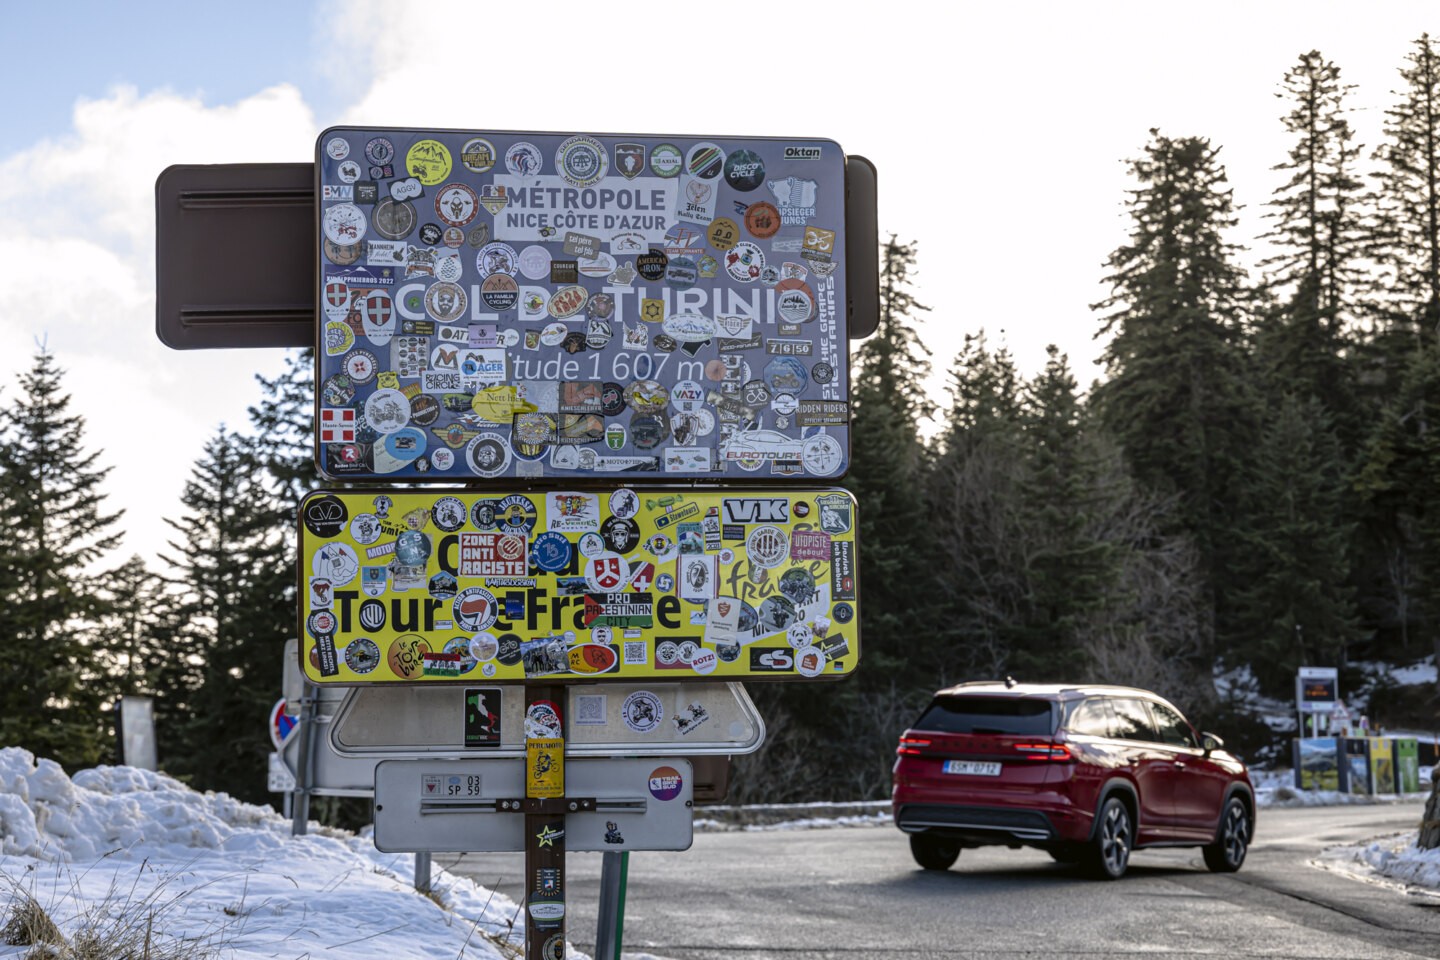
652, 311
545, 763
387, 380
723, 233
499, 404
429, 162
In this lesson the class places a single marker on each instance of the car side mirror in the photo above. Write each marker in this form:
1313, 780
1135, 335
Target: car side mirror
1210, 743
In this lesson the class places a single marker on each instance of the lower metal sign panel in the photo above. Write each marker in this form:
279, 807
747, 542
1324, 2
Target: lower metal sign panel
448, 805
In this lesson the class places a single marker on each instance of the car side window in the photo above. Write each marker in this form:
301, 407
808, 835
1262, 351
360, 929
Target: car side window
1091, 719
1173, 728
1132, 721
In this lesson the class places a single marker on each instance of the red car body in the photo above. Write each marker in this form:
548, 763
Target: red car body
1088, 773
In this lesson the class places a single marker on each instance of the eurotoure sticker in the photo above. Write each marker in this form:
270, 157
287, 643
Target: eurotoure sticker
567, 305
464, 586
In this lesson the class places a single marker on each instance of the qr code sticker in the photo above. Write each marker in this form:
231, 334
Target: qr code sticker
590, 709
636, 652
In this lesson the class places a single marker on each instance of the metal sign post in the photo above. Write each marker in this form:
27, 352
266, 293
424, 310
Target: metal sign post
545, 808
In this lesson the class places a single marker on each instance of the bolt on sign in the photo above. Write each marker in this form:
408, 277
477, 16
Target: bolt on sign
495, 306
417, 586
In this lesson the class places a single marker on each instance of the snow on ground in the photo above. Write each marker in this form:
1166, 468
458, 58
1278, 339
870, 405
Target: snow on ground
118, 851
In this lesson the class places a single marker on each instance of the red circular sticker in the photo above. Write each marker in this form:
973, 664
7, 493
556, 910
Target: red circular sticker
666, 783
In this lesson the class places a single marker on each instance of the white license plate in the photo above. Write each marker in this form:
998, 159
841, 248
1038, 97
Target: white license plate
974, 768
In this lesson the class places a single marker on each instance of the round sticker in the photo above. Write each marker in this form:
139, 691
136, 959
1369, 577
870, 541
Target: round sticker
387, 410
360, 366
612, 399
624, 503
616, 436
666, 783
798, 584
809, 662
786, 375
394, 219
475, 609
337, 148
487, 455
516, 514
745, 262
794, 301
582, 161
483, 647
591, 545
843, 612
344, 223
821, 455
667, 653
407, 656
534, 262
767, 546
554, 334
348, 172
687, 396
651, 266
478, 155
365, 529
621, 536
647, 432
445, 301
456, 204
428, 161
523, 159
326, 516
551, 552
744, 170
723, 233
380, 151
460, 646
500, 292
704, 662
606, 572
642, 711
449, 514
442, 459
362, 655
705, 161
665, 159
497, 258
822, 372
762, 220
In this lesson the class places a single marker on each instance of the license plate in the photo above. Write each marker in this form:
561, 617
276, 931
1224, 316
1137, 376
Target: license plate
974, 768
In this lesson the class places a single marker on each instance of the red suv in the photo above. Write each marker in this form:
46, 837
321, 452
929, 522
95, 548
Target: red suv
1087, 773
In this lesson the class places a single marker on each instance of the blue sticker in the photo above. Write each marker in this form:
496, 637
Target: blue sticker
551, 552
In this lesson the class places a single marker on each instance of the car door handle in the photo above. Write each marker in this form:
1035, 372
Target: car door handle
1179, 765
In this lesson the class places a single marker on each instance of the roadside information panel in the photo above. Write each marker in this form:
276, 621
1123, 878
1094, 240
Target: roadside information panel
497, 306
434, 586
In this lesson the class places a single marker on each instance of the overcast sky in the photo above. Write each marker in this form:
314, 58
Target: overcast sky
1000, 133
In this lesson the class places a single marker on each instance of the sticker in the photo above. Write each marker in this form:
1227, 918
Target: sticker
534, 262
497, 258
362, 655
582, 161
445, 302
487, 455
822, 455
762, 220
429, 162
809, 661
326, 516
666, 160
478, 155
666, 783
524, 159
406, 656
589, 709
456, 204
642, 711
344, 224
745, 262
545, 766
723, 233
337, 562
624, 504
551, 552
542, 720
767, 546
475, 609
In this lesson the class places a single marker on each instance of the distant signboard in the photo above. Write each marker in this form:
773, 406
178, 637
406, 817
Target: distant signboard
1317, 689
498, 305
415, 586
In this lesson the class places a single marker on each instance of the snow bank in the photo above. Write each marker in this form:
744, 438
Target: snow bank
117, 850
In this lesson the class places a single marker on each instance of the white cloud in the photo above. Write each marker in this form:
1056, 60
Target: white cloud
79, 247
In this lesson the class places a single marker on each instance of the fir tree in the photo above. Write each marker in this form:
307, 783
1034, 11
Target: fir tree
230, 556
56, 530
1176, 397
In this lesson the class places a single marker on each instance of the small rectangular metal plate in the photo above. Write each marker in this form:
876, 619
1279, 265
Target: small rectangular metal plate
448, 805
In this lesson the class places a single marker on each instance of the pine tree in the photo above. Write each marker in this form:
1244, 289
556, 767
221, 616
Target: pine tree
1176, 397
230, 556
1297, 604
1315, 277
56, 530
1408, 228
977, 512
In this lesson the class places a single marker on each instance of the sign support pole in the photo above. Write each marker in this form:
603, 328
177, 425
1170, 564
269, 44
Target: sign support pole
610, 923
545, 807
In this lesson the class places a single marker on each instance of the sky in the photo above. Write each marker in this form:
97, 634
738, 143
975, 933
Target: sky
1000, 133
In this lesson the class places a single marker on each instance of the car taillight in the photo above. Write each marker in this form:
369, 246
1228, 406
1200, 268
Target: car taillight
1045, 751
912, 746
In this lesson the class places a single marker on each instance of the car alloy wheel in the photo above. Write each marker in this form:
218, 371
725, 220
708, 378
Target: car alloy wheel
1228, 851
1113, 840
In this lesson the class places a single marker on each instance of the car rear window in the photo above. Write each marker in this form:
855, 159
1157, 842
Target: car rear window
998, 715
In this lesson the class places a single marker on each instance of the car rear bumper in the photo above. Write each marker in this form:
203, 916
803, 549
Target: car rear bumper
980, 825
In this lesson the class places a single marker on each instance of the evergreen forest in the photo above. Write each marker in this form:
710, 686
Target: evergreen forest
1249, 485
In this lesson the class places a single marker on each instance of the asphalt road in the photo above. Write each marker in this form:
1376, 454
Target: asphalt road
855, 893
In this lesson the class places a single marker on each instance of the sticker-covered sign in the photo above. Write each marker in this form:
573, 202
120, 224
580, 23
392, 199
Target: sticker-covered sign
574, 306
630, 584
